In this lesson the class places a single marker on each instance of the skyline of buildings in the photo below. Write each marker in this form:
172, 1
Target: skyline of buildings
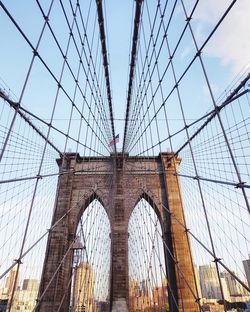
25, 295
83, 288
209, 283
208, 288
26, 292
246, 265
142, 296
10, 280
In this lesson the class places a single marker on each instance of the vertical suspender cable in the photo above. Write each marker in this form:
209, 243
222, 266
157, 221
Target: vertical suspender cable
132, 66
105, 64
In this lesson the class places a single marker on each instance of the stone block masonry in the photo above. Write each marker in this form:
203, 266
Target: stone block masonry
119, 182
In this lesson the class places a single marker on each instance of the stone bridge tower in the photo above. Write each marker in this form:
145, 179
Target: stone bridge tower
119, 182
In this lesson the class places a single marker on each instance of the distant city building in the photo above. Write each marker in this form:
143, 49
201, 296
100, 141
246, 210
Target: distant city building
84, 289
246, 265
3, 305
139, 300
3, 294
144, 288
225, 288
10, 281
197, 278
160, 296
102, 306
211, 305
134, 294
25, 298
210, 287
30, 284
134, 289
6, 291
234, 288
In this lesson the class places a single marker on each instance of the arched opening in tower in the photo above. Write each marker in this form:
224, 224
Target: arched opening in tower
147, 269
91, 261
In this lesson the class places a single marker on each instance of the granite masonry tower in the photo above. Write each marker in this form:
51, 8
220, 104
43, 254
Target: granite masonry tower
118, 182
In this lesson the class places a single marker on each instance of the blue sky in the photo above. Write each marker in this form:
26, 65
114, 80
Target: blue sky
227, 54
224, 57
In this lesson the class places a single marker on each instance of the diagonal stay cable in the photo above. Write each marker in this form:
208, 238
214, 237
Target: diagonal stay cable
196, 56
36, 54
18, 107
49, 124
210, 116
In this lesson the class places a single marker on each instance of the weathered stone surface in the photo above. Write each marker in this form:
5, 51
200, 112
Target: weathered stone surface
119, 183
120, 305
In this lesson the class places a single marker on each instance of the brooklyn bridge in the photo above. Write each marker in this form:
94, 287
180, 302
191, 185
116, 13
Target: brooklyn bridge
124, 156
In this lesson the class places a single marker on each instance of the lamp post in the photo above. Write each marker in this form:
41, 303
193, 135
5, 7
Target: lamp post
77, 248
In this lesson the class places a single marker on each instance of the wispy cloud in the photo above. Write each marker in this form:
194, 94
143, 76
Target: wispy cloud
185, 52
230, 44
